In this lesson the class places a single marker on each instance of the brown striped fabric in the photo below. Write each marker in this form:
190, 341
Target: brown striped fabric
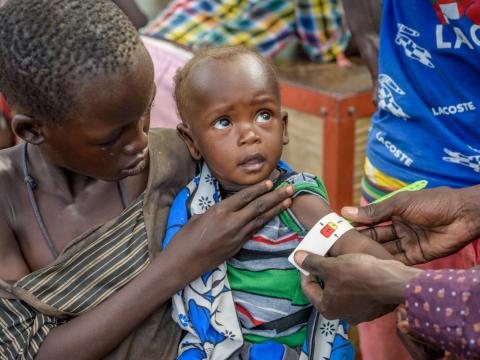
97, 271
75, 285
23, 329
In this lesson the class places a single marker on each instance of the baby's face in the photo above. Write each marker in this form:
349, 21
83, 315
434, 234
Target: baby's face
236, 121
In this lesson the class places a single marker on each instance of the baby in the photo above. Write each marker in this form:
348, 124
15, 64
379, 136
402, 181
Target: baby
252, 307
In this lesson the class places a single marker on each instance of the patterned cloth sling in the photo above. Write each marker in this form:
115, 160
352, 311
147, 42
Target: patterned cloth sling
252, 307
72, 286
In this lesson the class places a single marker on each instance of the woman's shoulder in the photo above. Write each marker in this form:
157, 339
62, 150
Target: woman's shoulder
12, 263
10, 169
169, 157
167, 140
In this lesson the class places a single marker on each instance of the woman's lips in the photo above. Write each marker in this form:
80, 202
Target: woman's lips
135, 168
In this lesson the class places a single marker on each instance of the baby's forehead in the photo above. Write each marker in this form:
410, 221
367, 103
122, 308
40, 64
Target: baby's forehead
240, 68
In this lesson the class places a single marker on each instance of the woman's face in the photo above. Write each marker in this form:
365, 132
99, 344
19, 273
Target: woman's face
105, 135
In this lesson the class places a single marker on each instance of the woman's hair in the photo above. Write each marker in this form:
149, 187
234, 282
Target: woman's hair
47, 46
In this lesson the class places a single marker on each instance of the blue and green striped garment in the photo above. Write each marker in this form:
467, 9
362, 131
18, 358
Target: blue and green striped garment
255, 299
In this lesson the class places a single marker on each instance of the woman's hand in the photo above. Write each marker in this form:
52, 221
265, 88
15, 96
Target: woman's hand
209, 239
357, 287
425, 225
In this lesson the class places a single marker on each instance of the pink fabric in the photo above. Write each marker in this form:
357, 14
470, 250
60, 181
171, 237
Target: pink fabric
442, 307
378, 338
167, 58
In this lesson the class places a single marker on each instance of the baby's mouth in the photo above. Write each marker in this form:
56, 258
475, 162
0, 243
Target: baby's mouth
252, 163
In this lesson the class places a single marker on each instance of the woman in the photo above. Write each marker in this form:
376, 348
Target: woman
85, 199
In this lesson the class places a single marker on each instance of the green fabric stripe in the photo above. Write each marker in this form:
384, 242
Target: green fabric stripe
286, 13
286, 217
293, 340
283, 284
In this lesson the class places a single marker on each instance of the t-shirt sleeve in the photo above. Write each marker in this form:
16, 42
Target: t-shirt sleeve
304, 184
443, 307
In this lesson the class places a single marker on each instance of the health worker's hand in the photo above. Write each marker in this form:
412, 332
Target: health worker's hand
357, 287
425, 225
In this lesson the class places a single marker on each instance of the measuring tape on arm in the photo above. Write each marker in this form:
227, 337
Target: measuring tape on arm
321, 237
331, 227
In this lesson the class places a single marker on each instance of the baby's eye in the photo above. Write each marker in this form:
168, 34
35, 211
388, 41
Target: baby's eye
263, 116
222, 123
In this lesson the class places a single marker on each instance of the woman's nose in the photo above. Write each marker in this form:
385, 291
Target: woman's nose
138, 140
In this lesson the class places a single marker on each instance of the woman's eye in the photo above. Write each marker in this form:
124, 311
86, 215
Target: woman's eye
221, 123
263, 116
109, 143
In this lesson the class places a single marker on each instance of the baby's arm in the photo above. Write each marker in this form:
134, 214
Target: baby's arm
310, 208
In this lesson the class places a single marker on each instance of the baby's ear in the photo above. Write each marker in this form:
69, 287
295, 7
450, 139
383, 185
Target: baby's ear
185, 133
28, 129
285, 128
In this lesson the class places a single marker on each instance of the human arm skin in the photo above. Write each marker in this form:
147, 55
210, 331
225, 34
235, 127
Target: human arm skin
96, 333
426, 224
309, 209
363, 19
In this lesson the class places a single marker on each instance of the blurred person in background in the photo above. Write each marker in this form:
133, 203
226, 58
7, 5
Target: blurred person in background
268, 26
426, 73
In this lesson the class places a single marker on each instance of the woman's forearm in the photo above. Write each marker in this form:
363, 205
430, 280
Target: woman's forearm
96, 333
363, 18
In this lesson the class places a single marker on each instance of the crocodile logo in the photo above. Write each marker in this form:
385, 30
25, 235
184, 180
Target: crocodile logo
448, 10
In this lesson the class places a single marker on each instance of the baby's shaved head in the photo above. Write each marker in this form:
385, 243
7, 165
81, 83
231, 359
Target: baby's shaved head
203, 57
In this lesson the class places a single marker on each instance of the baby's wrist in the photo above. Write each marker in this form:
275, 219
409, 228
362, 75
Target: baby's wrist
340, 247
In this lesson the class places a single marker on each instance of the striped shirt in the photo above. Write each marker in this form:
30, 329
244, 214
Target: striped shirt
267, 25
266, 287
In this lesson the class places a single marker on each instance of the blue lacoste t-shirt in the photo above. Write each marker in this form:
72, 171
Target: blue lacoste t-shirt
428, 121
